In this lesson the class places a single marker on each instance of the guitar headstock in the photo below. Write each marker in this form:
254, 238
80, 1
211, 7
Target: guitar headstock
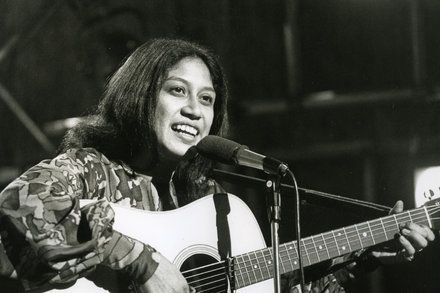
433, 208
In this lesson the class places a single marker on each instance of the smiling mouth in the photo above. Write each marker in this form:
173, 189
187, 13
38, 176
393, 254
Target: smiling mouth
185, 129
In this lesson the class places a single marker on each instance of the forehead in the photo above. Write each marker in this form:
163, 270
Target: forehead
191, 67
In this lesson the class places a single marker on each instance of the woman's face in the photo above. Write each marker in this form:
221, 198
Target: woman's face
185, 108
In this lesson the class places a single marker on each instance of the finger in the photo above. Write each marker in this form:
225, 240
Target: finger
398, 207
333, 285
416, 238
423, 230
429, 233
403, 255
408, 249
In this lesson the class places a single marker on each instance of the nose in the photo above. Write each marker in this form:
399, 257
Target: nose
192, 108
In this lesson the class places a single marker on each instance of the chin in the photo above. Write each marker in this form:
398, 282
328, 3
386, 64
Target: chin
179, 151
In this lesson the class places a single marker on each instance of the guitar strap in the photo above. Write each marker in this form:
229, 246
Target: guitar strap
221, 203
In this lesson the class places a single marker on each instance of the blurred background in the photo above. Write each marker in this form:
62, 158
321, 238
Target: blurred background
345, 91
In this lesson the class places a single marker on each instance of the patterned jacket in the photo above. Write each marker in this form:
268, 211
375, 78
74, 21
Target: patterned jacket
47, 239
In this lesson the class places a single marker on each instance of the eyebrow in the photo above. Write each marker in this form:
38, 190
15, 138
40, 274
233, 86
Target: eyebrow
186, 82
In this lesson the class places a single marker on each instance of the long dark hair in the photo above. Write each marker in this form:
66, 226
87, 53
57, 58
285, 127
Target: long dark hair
122, 126
123, 123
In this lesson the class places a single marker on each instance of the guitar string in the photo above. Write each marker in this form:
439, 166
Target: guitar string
208, 283
403, 218
199, 287
211, 288
253, 259
221, 291
393, 219
203, 267
206, 278
309, 244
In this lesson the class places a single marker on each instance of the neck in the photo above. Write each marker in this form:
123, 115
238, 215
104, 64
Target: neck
162, 171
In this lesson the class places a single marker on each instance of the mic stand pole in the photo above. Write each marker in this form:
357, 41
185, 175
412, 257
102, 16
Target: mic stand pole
274, 210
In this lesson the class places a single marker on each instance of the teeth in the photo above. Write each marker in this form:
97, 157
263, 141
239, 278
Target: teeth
186, 128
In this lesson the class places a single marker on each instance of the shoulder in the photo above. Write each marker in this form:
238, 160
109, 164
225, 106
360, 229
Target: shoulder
76, 160
84, 155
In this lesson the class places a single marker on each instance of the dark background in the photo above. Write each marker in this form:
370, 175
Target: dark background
345, 91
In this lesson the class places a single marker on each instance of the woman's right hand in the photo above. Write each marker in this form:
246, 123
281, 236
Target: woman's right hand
166, 278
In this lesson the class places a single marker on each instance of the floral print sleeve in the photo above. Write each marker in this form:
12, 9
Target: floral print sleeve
47, 239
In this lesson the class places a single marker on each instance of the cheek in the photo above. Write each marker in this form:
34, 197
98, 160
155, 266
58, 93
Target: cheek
161, 114
209, 121
159, 123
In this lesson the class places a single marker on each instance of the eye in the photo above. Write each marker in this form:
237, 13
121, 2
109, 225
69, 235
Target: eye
207, 99
177, 90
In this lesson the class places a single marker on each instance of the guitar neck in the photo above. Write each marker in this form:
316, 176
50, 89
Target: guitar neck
257, 266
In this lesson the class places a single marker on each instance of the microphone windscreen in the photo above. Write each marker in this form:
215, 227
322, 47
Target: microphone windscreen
218, 148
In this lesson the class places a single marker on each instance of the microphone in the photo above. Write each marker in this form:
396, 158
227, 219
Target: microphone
229, 152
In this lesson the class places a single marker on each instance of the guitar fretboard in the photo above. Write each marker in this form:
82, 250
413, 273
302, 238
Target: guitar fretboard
257, 266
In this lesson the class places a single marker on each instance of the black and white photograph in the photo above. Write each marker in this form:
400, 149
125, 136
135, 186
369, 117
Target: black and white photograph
248, 146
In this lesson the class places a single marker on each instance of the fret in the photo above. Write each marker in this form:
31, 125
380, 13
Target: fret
304, 252
249, 267
263, 264
428, 219
383, 228
393, 230
295, 249
397, 223
270, 261
359, 236
320, 247
371, 233
239, 276
256, 267
331, 244
308, 249
346, 237
316, 249
410, 218
336, 242
341, 243
388, 227
289, 259
245, 267
292, 247
352, 238
375, 232
268, 257
364, 234
325, 245
280, 259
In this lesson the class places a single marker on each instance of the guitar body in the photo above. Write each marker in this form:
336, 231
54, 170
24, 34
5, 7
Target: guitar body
197, 233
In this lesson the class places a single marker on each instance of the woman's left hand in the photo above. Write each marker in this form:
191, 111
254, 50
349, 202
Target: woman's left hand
412, 239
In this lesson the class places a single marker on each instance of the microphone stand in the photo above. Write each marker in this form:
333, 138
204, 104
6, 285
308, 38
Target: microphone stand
274, 211
318, 198
273, 187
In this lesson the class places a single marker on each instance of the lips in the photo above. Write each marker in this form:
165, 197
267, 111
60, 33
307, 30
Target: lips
185, 129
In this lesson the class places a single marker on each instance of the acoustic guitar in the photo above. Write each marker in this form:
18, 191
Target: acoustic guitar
218, 246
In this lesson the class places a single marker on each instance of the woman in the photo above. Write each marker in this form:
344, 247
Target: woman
166, 97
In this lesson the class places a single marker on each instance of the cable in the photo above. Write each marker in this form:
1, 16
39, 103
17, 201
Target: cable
298, 230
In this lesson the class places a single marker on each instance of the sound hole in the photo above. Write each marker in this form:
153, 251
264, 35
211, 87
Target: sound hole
205, 274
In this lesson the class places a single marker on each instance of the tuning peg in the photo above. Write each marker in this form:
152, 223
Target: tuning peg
430, 196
